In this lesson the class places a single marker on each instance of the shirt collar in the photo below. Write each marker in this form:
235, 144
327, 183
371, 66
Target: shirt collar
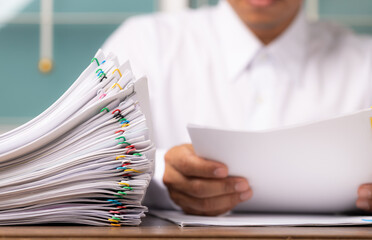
238, 43
240, 46
289, 49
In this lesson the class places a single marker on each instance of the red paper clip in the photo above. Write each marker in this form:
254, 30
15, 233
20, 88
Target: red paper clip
131, 150
116, 110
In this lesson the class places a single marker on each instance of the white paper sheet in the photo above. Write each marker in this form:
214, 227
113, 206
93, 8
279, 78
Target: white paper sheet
236, 219
315, 167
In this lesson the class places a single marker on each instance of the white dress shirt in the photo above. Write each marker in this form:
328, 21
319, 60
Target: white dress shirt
206, 67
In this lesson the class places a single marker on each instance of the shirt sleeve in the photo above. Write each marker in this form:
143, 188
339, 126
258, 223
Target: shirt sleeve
127, 44
157, 195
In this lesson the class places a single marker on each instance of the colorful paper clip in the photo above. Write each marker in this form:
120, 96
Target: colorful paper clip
121, 168
99, 71
131, 150
117, 84
114, 201
118, 116
95, 59
117, 70
123, 183
132, 170
102, 96
104, 77
103, 109
113, 220
115, 224
116, 110
121, 137
121, 156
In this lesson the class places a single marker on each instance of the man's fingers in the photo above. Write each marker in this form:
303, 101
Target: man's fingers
173, 179
364, 201
188, 210
210, 205
204, 188
184, 160
365, 191
364, 204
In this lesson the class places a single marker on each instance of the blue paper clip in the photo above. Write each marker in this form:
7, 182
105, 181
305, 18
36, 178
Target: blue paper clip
120, 168
114, 201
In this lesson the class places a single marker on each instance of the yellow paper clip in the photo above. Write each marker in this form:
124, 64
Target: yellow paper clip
117, 84
125, 125
117, 71
371, 121
132, 170
121, 156
123, 183
113, 220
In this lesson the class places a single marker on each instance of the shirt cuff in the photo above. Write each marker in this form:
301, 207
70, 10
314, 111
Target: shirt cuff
157, 196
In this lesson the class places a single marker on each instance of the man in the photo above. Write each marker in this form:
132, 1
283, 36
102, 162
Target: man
246, 65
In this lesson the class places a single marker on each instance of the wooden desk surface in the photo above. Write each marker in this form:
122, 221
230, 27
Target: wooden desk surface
155, 228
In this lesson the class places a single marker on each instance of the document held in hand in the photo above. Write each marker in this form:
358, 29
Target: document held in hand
314, 167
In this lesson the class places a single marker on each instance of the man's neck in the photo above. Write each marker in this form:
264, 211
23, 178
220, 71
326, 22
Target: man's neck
267, 34
266, 24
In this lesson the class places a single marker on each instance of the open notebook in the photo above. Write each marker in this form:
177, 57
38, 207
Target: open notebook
87, 159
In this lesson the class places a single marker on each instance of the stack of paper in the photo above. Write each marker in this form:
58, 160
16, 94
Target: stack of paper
87, 159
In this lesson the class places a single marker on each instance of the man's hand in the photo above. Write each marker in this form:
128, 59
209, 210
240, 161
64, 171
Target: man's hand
201, 186
364, 201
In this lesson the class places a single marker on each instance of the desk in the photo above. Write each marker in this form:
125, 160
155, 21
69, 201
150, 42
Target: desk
155, 228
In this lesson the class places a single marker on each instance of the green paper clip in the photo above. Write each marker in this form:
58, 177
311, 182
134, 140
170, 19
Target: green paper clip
121, 137
105, 109
95, 59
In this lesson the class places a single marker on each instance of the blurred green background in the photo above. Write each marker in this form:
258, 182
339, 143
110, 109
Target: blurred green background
80, 28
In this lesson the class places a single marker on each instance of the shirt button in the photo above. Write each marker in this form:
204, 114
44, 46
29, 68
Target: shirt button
259, 100
262, 57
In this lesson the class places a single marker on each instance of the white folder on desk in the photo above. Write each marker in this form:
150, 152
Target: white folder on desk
314, 167
241, 219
